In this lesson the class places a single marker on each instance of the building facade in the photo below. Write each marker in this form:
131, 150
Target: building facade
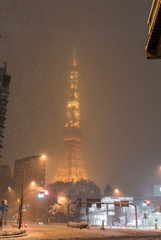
4, 92
35, 171
71, 165
153, 47
118, 216
5, 180
156, 190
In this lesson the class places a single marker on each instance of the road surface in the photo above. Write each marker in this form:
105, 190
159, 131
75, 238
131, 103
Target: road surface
62, 232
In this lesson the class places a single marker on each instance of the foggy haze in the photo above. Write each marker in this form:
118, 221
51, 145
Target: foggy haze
120, 90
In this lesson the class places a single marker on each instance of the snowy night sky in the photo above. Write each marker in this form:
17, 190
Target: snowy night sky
120, 90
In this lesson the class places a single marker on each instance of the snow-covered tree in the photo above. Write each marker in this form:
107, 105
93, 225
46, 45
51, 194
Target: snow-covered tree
63, 193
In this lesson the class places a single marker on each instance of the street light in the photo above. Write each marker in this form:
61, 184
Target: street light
33, 183
9, 190
22, 194
117, 191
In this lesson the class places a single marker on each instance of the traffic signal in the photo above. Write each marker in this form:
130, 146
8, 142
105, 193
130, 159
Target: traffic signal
43, 194
147, 202
40, 195
46, 194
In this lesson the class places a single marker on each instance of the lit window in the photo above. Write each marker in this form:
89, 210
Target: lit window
111, 213
110, 206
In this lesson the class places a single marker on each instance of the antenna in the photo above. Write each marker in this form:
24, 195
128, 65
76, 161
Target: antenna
74, 57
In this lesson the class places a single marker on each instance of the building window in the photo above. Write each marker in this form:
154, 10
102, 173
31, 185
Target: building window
110, 206
111, 213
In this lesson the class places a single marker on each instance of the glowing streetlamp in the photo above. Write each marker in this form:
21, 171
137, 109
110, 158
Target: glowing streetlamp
9, 190
22, 194
33, 183
119, 192
116, 190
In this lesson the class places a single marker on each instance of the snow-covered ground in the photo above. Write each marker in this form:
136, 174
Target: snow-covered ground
10, 232
62, 232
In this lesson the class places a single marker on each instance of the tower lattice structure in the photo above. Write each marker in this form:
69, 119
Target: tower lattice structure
71, 165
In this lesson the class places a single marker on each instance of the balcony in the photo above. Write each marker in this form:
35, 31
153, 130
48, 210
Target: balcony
153, 48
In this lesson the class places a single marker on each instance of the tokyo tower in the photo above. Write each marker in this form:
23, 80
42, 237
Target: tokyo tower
71, 166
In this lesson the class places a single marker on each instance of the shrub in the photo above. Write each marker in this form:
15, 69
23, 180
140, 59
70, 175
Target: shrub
80, 225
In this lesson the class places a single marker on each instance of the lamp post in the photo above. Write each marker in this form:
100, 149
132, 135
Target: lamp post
18, 200
23, 181
117, 191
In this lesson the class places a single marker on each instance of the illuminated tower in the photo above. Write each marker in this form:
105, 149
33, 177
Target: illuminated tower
71, 165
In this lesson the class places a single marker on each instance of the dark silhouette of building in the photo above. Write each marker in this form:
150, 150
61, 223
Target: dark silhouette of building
34, 172
5, 180
5, 183
4, 92
153, 48
71, 165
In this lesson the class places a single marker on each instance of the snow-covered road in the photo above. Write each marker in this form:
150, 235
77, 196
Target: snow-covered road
61, 232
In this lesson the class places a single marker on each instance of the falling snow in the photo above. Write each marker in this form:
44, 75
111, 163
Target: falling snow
119, 88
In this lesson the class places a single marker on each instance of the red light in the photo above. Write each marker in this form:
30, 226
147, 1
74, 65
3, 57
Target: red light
46, 193
148, 202
24, 225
